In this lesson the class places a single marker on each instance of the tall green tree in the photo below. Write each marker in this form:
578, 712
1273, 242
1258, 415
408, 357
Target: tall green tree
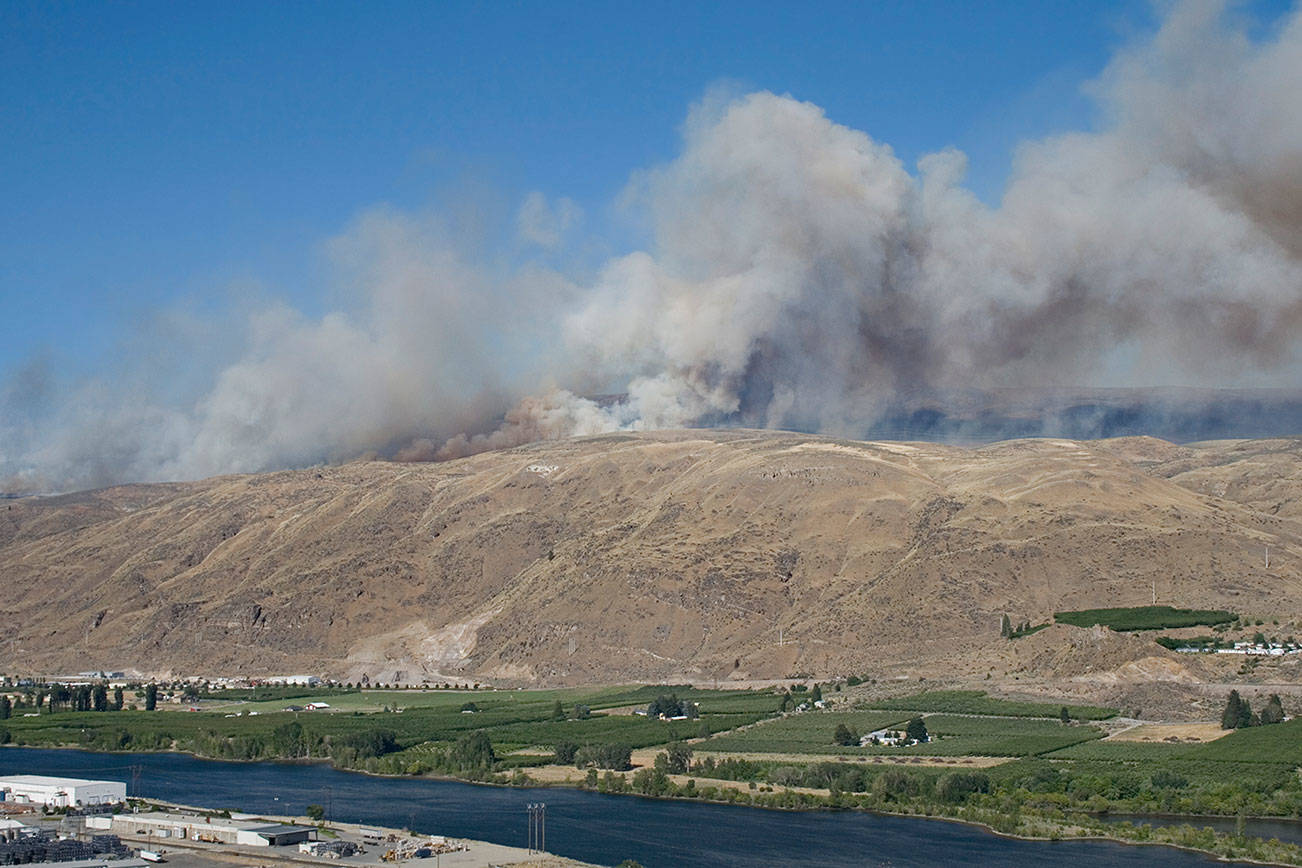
288, 740
1005, 627
916, 730
6, 708
151, 696
472, 753
117, 698
1246, 717
1237, 713
843, 735
1273, 711
679, 756
99, 698
1230, 714
558, 711
957, 786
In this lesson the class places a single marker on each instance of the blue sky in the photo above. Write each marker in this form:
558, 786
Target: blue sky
160, 154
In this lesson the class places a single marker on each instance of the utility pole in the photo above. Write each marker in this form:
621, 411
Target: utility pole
1155, 590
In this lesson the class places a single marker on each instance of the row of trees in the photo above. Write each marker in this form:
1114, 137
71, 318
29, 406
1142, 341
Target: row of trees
604, 756
1238, 712
53, 698
1008, 630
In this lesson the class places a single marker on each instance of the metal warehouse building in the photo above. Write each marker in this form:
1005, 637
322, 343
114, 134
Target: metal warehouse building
61, 792
214, 830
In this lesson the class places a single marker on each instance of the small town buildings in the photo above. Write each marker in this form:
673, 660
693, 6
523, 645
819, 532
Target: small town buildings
293, 680
213, 830
61, 792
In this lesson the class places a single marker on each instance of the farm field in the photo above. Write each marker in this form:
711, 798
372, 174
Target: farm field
375, 700
514, 719
1278, 744
1145, 618
807, 733
978, 703
1158, 732
976, 736
952, 735
1264, 757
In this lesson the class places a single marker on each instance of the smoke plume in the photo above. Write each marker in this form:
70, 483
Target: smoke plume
800, 276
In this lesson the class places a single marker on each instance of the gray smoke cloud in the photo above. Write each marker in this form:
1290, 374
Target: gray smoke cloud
800, 276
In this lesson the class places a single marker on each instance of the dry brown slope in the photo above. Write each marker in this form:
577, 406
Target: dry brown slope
672, 554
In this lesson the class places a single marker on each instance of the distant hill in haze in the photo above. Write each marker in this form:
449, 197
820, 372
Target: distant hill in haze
668, 555
1178, 415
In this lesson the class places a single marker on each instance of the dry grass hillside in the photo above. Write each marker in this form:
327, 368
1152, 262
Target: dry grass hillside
659, 556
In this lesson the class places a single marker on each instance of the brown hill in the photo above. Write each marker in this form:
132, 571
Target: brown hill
688, 554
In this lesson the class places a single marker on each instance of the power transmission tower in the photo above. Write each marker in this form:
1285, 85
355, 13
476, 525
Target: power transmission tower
537, 812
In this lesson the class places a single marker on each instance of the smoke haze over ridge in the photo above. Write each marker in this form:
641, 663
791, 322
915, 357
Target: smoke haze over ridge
799, 276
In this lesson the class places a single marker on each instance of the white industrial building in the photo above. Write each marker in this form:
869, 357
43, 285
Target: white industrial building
61, 792
213, 830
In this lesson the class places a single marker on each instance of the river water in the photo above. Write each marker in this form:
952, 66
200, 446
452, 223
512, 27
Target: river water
582, 825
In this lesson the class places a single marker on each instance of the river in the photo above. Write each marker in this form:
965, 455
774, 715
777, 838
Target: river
583, 825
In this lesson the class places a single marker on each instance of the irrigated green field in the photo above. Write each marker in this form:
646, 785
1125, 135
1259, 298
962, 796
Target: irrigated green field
977, 702
1145, 618
1278, 744
513, 719
724, 701
952, 735
808, 732
984, 736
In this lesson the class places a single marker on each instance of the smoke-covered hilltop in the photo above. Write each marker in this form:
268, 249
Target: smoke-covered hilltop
800, 277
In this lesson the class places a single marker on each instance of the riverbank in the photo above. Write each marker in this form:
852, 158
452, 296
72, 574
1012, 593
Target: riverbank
593, 827
1009, 821
464, 853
